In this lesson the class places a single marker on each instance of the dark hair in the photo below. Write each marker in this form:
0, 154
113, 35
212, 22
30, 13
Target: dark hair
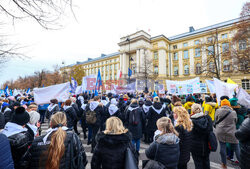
54, 101
68, 102
190, 99
96, 98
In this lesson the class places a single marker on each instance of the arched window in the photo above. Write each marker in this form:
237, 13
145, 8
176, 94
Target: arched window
211, 67
186, 69
226, 65
198, 68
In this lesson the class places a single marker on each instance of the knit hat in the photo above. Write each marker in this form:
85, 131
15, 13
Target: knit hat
224, 97
225, 102
20, 116
233, 101
16, 104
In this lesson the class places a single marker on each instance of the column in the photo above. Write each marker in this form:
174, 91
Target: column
191, 60
162, 56
180, 63
113, 71
138, 60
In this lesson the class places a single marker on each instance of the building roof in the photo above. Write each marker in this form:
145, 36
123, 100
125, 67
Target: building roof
218, 25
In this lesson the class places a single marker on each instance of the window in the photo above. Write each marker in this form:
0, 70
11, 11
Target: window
111, 67
175, 56
242, 44
156, 55
197, 52
176, 70
185, 45
116, 65
224, 36
226, 65
198, 68
225, 47
243, 65
175, 46
245, 84
185, 54
107, 67
115, 77
210, 39
186, 69
210, 50
156, 69
211, 67
197, 42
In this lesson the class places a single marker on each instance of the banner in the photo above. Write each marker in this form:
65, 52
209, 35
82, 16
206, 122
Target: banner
78, 90
203, 88
223, 89
183, 87
45, 94
130, 88
88, 82
243, 98
211, 86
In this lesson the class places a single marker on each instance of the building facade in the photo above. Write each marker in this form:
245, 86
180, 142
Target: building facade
179, 57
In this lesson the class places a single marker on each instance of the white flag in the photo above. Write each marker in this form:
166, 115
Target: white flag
223, 89
243, 98
78, 90
211, 86
45, 94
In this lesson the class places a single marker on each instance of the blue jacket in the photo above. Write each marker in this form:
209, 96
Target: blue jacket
5, 155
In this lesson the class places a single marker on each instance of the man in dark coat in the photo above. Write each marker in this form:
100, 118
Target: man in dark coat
5, 155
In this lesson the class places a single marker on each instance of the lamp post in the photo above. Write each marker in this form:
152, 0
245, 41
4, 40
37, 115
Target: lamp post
129, 58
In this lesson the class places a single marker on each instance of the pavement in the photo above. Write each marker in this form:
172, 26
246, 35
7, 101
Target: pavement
214, 156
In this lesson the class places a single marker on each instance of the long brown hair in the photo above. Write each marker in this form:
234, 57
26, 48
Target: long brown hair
183, 118
56, 147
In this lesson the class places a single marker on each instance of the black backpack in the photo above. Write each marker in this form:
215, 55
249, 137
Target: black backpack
91, 117
134, 117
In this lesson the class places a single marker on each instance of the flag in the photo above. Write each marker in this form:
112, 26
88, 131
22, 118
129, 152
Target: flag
230, 81
6, 91
45, 94
223, 89
28, 91
154, 95
73, 85
119, 74
243, 98
98, 82
129, 72
43, 85
210, 85
11, 94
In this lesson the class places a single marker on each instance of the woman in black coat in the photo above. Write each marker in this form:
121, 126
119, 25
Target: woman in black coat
165, 149
243, 135
183, 126
70, 114
202, 126
135, 121
155, 112
111, 146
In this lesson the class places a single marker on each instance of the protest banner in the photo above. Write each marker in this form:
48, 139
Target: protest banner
211, 86
88, 82
45, 94
203, 88
243, 98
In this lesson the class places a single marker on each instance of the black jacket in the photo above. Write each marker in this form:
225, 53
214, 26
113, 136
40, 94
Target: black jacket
153, 116
78, 112
185, 144
202, 125
122, 106
99, 113
71, 116
136, 130
165, 150
8, 113
36, 156
2, 120
53, 111
19, 145
243, 135
5, 155
110, 151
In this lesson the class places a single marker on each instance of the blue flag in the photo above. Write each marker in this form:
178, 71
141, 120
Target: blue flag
98, 82
11, 92
154, 94
28, 91
6, 91
129, 72
73, 85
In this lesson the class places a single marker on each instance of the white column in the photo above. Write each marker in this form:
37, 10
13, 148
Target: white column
121, 61
138, 60
124, 65
113, 71
162, 62
192, 67
180, 63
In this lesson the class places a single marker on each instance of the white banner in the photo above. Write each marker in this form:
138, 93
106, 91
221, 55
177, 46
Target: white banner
45, 94
243, 98
223, 89
88, 83
211, 86
78, 90
183, 87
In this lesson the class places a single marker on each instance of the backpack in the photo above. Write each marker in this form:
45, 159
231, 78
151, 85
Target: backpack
133, 117
91, 117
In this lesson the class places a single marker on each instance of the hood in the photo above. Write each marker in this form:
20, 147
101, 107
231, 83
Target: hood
112, 109
81, 99
7, 109
93, 105
112, 139
213, 104
12, 128
146, 108
148, 103
200, 121
66, 107
33, 128
157, 105
83, 106
133, 106
169, 138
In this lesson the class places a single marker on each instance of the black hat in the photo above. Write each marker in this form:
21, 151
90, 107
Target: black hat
224, 97
16, 104
109, 95
20, 116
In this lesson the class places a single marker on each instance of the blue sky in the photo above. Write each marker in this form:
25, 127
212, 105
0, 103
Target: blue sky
99, 26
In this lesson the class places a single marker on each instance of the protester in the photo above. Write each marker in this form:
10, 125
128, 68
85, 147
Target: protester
42, 109
225, 130
70, 114
135, 121
183, 125
188, 104
52, 108
155, 112
9, 111
53, 150
17, 135
113, 109
111, 146
243, 135
166, 147
210, 107
77, 112
145, 108
202, 125
6, 161
2, 120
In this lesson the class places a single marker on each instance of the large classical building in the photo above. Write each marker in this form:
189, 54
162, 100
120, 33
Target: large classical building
179, 57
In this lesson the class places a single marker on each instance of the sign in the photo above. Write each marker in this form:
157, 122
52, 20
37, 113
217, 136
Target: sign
203, 87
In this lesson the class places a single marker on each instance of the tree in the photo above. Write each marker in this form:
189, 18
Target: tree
239, 50
77, 72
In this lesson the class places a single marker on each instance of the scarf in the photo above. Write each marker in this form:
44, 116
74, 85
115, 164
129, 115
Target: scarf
112, 109
83, 106
51, 107
93, 105
33, 128
146, 108
66, 107
50, 130
12, 128
157, 111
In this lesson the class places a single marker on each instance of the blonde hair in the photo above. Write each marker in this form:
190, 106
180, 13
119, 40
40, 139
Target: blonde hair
56, 148
133, 101
183, 118
196, 108
156, 99
114, 126
166, 126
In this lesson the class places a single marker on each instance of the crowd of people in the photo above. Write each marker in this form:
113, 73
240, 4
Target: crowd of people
177, 128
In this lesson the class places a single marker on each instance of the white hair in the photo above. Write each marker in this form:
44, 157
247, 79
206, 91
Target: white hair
34, 117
